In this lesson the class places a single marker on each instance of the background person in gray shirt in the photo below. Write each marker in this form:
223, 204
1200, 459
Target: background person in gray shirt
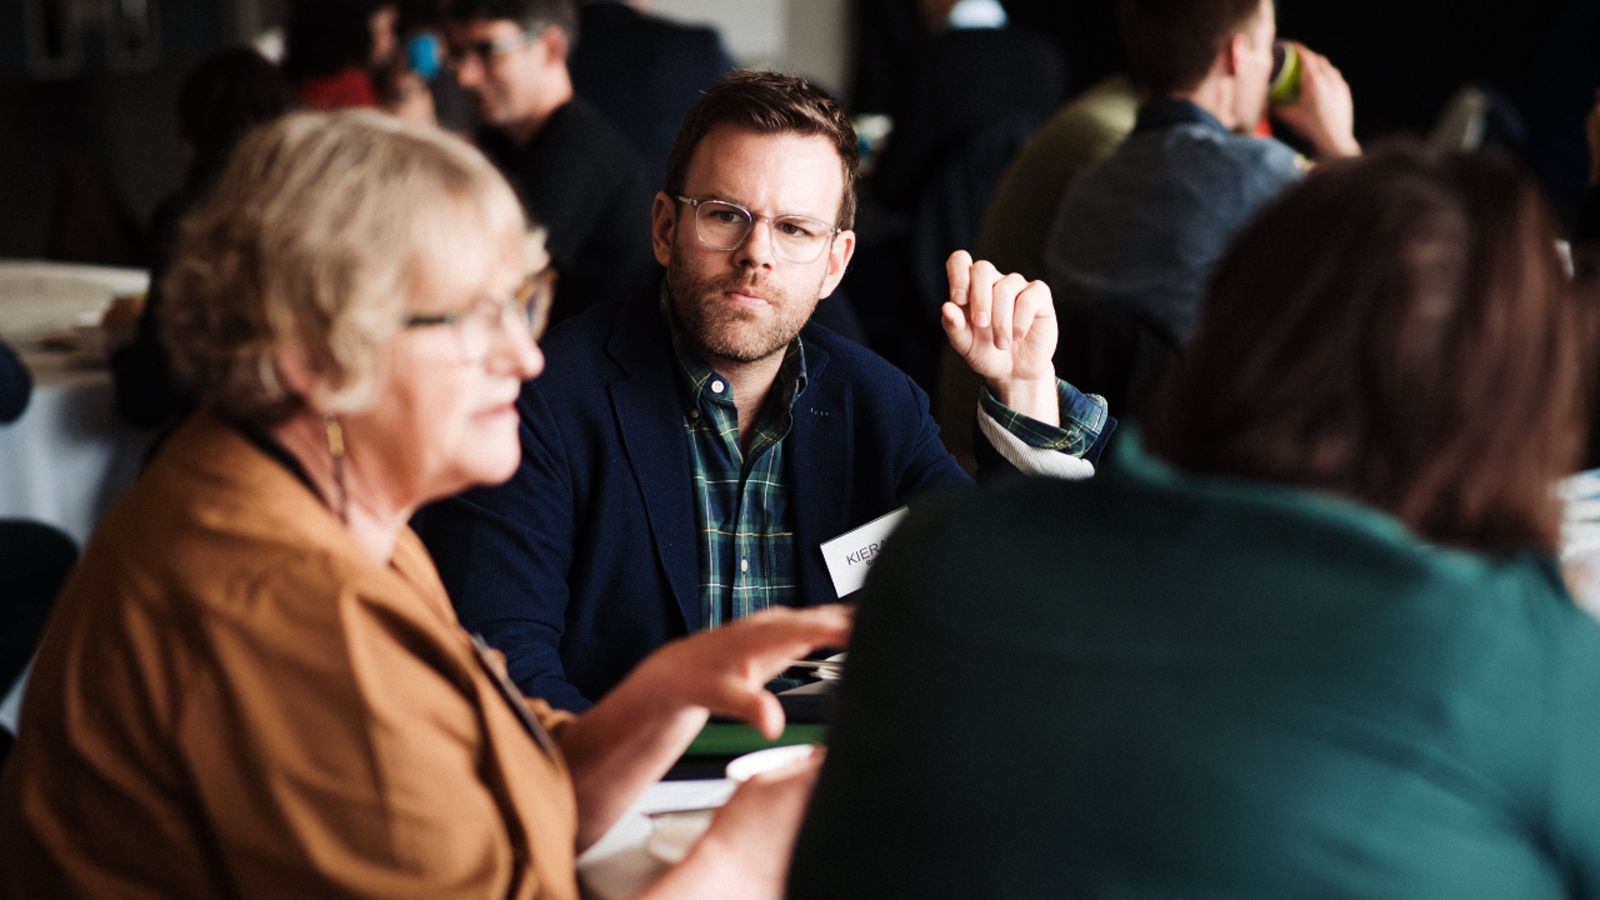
1141, 231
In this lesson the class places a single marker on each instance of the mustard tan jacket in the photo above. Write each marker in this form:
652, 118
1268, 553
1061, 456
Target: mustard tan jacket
234, 700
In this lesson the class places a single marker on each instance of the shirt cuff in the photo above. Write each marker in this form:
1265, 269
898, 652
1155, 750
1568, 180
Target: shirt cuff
1083, 417
1031, 460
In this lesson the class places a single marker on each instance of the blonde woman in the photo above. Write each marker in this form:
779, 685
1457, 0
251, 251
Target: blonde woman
255, 684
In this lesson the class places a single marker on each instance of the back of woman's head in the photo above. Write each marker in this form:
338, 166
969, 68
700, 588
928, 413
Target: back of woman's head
1397, 329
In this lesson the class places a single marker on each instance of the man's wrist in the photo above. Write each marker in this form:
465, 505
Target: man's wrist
1035, 398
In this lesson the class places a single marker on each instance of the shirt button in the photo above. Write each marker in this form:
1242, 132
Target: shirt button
716, 387
694, 413
744, 565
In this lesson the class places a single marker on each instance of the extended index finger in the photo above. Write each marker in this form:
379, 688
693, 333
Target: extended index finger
958, 268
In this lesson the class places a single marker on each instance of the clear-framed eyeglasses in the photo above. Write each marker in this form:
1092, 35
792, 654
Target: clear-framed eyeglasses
475, 327
722, 225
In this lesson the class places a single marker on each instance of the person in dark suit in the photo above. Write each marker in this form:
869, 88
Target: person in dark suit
644, 72
686, 453
576, 173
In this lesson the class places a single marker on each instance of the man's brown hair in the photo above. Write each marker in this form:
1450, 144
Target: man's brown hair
768, 103
1171, 44
1399, 330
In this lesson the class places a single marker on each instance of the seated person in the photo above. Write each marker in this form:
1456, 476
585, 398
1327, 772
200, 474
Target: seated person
226, 94
334, 48
1306, 638
1142, 230
254, 684
689, 449
573, 169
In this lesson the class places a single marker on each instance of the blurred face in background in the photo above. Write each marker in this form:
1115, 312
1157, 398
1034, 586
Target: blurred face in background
384, 38
511, 74
1253, 78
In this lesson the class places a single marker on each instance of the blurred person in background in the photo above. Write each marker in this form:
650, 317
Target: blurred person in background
1141, 231
224, 96
573, 169
345, 54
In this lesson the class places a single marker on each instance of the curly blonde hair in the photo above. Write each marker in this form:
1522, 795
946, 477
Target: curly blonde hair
316, 235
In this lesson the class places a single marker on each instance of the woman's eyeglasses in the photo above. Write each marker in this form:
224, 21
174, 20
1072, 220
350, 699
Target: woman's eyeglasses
475, 327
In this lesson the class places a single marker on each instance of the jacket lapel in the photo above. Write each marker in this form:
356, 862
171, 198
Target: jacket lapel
820, 456
649, 415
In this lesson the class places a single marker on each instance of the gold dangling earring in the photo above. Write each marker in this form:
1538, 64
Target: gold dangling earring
335, 434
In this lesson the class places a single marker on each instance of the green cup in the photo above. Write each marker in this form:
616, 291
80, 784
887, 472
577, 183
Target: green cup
1285, 83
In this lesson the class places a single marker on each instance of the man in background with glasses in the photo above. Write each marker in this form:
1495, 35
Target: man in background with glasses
575, 172
687, 453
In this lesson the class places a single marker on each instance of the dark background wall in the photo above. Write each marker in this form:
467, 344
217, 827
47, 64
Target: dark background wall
1404, 59
85, 155
88, 131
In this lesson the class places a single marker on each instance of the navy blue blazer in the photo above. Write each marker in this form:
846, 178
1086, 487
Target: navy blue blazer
586, 560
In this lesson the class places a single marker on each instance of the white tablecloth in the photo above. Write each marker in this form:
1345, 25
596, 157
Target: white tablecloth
38, 298
70, 455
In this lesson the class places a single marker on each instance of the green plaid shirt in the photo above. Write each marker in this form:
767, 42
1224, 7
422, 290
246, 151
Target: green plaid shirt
747, 560
746, 546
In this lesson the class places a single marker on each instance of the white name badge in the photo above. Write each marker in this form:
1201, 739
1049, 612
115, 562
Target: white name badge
851, 555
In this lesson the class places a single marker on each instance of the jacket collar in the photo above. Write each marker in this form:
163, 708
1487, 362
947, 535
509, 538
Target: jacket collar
649, 405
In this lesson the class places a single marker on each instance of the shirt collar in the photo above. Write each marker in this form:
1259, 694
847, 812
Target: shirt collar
695, 373
1170, 111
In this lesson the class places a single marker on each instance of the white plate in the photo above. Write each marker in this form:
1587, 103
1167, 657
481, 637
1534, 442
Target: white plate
750, 765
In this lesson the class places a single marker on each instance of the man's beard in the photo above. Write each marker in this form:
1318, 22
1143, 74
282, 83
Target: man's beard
720, 330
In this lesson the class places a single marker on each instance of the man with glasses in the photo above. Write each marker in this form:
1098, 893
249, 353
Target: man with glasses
575, 172
685, 454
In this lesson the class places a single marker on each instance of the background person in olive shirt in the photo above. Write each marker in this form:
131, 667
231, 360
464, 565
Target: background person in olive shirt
1310, 641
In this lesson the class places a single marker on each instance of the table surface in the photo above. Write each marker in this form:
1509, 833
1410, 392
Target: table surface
618, 865
39, 298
